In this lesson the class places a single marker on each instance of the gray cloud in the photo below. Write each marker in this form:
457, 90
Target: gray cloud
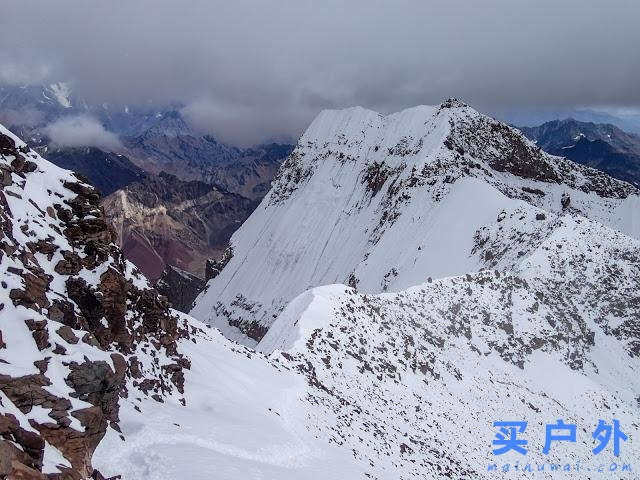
29, 117
81, 131
18, 70
244, 125
266, 68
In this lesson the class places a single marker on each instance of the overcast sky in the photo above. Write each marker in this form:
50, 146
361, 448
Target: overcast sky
252, 69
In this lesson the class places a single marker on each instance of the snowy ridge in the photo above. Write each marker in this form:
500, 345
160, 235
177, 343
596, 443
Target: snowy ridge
382, 203
79, 326
412, 381
20, 352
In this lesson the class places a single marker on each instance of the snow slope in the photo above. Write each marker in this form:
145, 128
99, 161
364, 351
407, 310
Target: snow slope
406, 385
432, 367
245, 418
383, 203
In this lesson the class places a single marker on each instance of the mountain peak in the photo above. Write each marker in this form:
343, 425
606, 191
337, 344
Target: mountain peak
391, 200
453, 102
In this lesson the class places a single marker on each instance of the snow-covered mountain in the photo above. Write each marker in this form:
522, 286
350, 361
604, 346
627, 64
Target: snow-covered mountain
382, 203
538, 320
350, 384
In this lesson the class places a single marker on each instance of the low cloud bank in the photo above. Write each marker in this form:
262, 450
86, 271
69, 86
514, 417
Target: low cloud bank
81, 131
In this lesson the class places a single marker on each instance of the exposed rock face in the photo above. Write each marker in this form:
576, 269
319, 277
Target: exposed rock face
164, 221
85, 328
181, 288
214, 267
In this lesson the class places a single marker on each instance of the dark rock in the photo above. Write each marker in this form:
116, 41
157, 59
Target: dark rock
43, 246
13, 459
63, 312
214, 267
59, 350
90, 339
87, 300
34, 293
70, 264
5, 176
42, 365
535, 191
67, 334
181, 288
39, 332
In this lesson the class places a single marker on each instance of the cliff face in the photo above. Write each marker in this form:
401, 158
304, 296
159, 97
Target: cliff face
80, 329
181, 288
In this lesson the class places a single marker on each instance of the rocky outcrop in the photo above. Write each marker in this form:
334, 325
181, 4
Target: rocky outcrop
181, 288
214, 267
95, 327
505, 149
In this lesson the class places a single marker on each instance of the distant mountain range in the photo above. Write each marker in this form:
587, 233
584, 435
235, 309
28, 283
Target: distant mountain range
601, 146
153, 140
107, 171
175, 194
162, 220
627, 121
169, 144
